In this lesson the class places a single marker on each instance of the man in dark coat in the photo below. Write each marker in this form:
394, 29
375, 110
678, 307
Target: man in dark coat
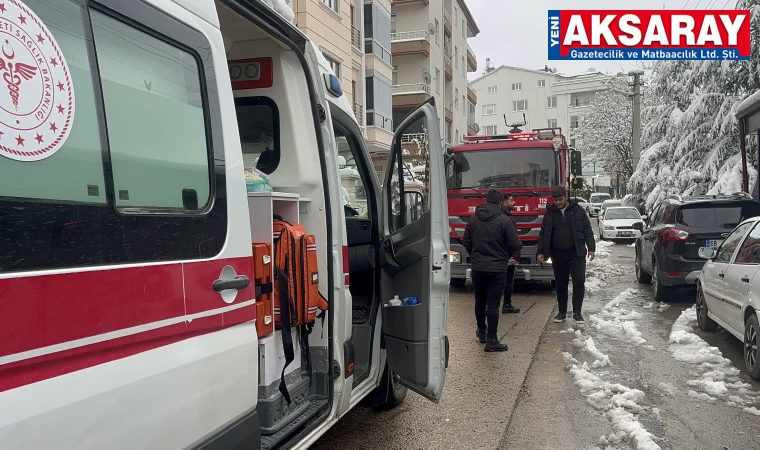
566, 236
507, 206
491, 240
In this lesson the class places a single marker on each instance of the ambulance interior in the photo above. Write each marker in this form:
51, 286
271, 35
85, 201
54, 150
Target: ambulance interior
278, 138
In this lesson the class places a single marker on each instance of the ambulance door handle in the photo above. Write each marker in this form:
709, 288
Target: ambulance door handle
239, 282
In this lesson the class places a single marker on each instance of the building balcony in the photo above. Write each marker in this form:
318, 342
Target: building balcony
410, 43
410, 95
471, 95
472, 127
449, 112
447, 22
359, 113
403, 2
472, 61
356, 38
449, 71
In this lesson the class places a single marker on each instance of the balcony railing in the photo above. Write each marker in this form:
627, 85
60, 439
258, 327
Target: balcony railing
359, 113
469, 49
409, 138
471, 122
448, 105
420, 35
415, 88
447, 59
356, 38
446, 17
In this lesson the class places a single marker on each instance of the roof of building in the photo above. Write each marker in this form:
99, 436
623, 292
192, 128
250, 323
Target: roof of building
470, 19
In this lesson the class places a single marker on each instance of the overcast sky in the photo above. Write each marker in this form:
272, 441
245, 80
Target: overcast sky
514, 32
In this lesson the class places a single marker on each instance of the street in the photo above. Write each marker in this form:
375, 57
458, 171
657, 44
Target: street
637, 375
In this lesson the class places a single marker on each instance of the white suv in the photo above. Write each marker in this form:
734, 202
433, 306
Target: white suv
727, 290
595, 203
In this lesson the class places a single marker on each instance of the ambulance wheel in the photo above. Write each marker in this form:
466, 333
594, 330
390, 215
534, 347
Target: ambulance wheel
396, 391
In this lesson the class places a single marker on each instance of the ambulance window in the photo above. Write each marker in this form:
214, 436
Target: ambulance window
258, 124
73, 174
156, 124
354, 194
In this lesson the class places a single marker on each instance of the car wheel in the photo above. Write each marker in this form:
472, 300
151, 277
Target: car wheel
703, 320
751, 343
641, 276
458, 283
661, 292
396, 391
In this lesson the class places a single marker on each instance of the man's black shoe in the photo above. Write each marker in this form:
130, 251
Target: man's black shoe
481, 334
510, 310
560, 318
493, 345
578, 318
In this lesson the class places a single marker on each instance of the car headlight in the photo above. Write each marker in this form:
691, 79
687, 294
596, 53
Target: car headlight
609, 227
455, 257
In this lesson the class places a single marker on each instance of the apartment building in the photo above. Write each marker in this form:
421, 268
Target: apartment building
543, 97
431, 58
355, 37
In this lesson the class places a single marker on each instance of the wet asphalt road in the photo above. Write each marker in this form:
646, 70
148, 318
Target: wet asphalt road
527, 399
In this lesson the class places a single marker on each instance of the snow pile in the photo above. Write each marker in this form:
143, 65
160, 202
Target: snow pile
717, 377
618, 322
603, 248
588, 345
620, 404
283, 8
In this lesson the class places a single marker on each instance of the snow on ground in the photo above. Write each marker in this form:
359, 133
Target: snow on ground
717, 376
618, 322
588, 345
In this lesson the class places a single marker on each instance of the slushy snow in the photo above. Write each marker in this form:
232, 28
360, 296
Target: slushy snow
618, 322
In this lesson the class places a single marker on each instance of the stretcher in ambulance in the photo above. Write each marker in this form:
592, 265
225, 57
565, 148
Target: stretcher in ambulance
146, 299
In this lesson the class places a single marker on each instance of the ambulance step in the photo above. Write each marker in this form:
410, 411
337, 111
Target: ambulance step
316, 407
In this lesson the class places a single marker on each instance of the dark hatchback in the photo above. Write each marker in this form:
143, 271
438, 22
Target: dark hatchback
667, 253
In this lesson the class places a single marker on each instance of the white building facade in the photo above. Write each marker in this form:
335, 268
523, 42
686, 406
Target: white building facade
543, 97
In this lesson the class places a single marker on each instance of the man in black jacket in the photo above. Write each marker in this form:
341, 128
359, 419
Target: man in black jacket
567, 237
491, 240
507, 206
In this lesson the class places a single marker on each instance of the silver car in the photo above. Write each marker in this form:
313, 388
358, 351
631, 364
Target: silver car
595, 203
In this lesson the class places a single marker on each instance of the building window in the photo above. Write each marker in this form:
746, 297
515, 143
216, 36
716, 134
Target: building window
457, 135
551, 123
395, 75
437, 27
379, 101
520, 105
463, 101
491, 89
437, 80
489, 110
490, 130
575, 121
332, 4
334, 65
455, 14
541, 83
464, 30
456, 51
377, 31
551, 102
464, 67
448, 132
456, 98
516, 86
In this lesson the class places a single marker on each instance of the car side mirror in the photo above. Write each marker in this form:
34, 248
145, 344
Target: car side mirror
644, 218
707, 252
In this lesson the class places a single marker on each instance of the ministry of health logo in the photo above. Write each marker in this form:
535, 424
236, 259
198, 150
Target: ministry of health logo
36, 91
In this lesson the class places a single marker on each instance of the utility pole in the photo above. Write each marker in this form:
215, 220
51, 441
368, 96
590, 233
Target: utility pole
636, 118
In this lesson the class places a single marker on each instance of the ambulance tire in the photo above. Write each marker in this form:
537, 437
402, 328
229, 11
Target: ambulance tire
392, 390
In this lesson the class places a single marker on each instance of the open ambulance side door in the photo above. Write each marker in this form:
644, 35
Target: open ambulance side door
414, 257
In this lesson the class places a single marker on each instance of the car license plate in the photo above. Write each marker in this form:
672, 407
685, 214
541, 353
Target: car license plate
714, 243
625, 233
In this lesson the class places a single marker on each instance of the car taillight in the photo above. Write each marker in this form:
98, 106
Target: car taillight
674, 235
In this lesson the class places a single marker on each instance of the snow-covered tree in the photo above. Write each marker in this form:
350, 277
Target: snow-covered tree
690, 135
605, 131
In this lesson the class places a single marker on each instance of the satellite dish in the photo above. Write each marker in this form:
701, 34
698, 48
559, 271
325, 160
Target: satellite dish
426, 76
476, 127
431, 28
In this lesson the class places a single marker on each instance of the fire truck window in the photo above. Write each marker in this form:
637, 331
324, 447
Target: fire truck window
74, 173
258, 124
156, 124
483, 169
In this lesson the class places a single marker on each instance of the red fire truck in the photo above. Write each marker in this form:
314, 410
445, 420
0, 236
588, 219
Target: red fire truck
525, 164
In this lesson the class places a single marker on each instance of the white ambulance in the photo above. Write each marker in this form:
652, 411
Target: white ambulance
130, 312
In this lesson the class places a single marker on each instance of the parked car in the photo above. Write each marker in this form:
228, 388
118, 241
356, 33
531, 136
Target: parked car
728, 289
621, 222
607, 204
582, 203
667, 252
595, 203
